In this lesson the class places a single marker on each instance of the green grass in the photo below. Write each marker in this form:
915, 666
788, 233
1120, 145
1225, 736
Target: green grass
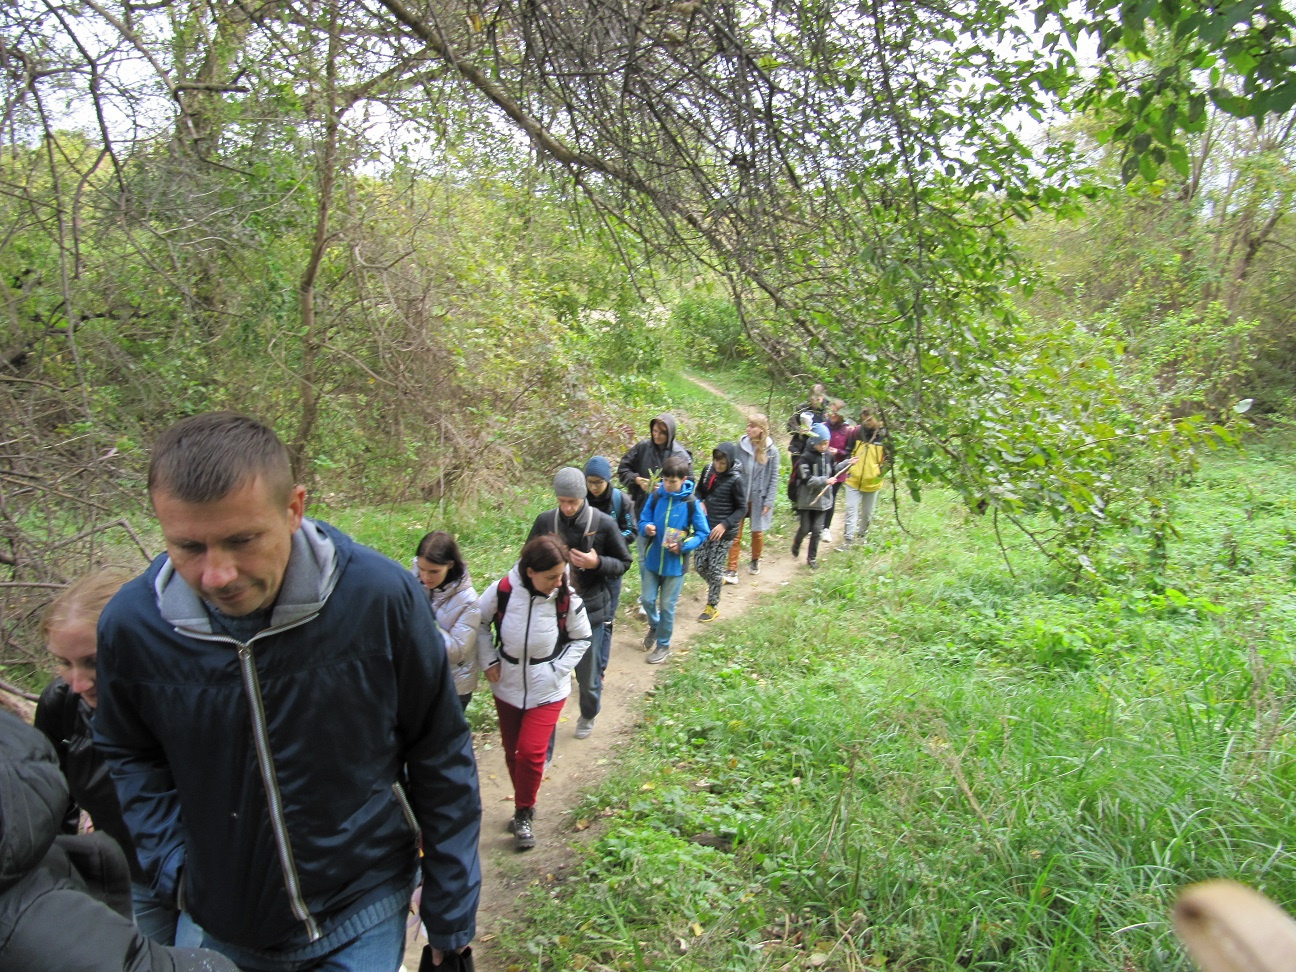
918, 760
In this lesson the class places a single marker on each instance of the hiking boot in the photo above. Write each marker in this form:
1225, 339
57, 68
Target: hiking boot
659, 654
523, 835
650, 639
709, 613
584, 727
754, 568
731, 577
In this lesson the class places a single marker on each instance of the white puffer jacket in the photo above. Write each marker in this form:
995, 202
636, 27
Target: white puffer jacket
455, 607
534, 669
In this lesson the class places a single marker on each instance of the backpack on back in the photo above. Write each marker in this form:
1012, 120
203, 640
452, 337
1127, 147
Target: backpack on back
503, 591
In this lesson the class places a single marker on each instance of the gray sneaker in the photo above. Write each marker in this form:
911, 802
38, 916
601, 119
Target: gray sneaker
650, 639
523, 834
754, 568
658, 654
584, 727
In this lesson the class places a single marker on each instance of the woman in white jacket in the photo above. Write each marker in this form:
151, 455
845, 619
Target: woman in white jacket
441, 570
533, 631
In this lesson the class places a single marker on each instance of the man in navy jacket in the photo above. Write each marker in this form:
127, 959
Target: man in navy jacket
280, 720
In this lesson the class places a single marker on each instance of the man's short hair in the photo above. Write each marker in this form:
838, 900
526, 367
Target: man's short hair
676, 467
206, 457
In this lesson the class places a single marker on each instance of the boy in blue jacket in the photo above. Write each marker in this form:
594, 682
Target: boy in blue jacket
674, 524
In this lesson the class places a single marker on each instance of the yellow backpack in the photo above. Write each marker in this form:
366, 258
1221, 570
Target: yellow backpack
866, 474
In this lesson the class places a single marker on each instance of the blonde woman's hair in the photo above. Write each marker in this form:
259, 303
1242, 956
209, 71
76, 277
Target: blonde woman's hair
84, 599
761, 419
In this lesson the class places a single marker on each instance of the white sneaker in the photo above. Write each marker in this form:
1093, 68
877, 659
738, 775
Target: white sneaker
731, 577
584, 727
826, 536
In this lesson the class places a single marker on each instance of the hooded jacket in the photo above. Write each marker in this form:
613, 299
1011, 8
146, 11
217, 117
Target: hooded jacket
455, 606
65, 901
725, 494
646, 459
674, 511
290, 775
589, 530
535, 663
762, 482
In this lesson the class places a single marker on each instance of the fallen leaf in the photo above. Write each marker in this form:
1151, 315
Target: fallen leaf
696, 929
582, 824
648, 786
817, 959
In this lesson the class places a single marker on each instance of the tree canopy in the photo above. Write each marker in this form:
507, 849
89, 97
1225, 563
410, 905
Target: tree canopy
399, 229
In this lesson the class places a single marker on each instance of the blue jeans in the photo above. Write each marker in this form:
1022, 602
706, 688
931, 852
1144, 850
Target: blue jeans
589, 671
668, 589
370, 941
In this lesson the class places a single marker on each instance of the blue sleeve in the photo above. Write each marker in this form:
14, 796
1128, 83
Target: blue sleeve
441, 775
145, 788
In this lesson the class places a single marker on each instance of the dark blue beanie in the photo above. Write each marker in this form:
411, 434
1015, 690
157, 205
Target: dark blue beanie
599, 468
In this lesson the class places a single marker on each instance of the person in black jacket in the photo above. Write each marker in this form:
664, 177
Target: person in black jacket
606, 498
723, 492
63, 715
281, 722
65, 900
598, 556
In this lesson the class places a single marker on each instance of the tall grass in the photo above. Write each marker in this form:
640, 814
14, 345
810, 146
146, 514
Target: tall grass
916, 759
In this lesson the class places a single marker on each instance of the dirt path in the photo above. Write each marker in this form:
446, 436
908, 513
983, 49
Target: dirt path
581, 763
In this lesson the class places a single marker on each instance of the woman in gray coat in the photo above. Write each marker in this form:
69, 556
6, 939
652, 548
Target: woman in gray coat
760, 464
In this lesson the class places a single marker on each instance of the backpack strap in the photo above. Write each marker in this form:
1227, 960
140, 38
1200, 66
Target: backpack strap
503, 591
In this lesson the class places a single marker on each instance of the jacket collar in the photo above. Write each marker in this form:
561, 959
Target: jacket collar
312, 573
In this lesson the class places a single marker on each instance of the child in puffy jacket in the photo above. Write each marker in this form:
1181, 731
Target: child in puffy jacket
722, 487
814, 498
673, 523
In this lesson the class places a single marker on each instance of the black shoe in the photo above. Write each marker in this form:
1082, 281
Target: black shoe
796, 550
523, 835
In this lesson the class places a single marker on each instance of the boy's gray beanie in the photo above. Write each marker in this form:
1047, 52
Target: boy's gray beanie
570, 482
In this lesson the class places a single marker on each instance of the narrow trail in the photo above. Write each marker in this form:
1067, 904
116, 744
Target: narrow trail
579, 764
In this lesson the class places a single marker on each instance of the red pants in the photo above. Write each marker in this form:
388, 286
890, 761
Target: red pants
525, 735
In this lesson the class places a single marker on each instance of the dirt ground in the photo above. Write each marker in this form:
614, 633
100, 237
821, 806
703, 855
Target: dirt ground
580, 763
